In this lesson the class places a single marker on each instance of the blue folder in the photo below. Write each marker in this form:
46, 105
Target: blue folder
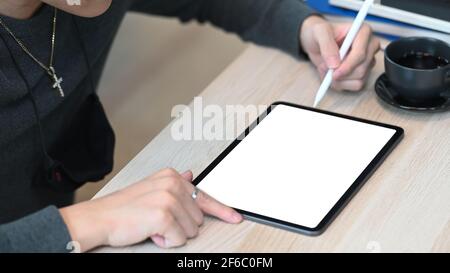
324, 7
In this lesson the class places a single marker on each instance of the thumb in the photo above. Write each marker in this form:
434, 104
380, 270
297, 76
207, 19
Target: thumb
187, 175
329, 49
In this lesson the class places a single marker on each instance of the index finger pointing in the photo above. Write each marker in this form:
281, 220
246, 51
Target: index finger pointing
213, 207
329, 49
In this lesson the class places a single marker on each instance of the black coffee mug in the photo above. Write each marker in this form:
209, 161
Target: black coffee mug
418, 68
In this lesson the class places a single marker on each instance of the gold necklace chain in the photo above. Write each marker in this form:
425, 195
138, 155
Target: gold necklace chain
49, 69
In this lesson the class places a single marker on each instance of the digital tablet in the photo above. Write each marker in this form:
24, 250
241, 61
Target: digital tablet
296, 167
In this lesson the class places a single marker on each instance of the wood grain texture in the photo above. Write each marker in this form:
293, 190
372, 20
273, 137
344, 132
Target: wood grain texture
404, 207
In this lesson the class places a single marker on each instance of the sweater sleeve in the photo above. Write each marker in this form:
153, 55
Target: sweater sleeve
43, 231
274, 23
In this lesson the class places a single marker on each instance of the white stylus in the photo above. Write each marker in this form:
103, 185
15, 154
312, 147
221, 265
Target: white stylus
356, 26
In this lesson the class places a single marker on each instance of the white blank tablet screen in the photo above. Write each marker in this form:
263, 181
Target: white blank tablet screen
295, 165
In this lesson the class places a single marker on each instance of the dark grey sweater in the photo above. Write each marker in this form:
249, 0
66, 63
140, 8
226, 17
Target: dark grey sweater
81, 49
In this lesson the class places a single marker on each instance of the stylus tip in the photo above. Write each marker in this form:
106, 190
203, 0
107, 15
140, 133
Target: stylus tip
316, 102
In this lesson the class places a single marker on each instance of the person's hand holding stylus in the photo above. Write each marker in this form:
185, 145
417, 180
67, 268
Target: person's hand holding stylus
346, 68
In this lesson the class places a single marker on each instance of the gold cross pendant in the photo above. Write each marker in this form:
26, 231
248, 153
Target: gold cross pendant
56, 81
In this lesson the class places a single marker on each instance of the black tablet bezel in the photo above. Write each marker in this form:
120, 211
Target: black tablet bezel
345, 198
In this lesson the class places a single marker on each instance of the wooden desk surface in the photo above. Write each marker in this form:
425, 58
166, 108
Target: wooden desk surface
405, 205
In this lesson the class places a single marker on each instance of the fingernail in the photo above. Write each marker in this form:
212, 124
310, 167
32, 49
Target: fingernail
187, 175
237, 217
159, 240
